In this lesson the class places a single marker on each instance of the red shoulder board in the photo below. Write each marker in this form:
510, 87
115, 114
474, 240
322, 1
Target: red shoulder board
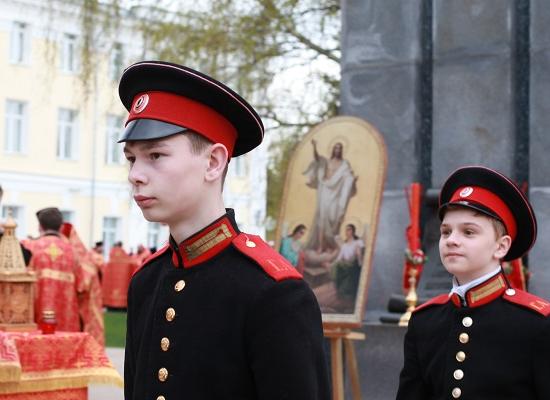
528, 300
157, 253
441, 299
274, 264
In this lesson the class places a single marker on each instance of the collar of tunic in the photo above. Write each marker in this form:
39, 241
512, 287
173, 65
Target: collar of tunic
206, 243
481, 292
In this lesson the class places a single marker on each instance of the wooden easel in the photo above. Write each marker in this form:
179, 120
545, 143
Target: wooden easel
337, 337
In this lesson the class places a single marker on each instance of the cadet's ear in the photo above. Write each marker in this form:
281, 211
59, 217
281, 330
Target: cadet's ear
503, 245
216, 162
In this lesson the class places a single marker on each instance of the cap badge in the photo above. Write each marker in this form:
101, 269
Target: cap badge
141, 103
466, 191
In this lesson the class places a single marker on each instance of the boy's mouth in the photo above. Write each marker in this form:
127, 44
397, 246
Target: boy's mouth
143, 201
454, 255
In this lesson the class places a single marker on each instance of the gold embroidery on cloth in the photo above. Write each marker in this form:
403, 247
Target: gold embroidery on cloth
89, 268
539, 304
208, 241
487, 290
56, 275
62, 379
53, 251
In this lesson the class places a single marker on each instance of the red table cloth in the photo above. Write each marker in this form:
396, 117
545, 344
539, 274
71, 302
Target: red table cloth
57, 366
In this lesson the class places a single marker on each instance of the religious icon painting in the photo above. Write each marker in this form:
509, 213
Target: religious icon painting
329, 214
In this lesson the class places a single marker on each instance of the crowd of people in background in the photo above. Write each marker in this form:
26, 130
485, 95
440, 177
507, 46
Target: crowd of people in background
74, 281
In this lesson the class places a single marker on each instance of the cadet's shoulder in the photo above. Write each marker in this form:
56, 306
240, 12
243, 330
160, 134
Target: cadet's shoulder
436, 301
528, 301
263, 255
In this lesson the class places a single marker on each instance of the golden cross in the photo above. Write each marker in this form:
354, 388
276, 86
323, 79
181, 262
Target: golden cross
53, 251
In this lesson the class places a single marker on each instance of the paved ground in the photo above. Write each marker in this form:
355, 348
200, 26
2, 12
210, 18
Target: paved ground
109, 392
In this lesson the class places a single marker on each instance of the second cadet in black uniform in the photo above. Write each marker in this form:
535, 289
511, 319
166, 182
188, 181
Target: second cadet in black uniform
215, 314
484, 340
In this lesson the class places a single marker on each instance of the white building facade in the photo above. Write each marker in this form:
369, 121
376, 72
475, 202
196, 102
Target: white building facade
58, 135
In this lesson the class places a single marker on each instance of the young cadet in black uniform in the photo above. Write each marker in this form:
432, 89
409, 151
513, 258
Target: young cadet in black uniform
215, 314
484, 340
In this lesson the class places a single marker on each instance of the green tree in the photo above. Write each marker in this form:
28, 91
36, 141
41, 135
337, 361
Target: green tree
258, 46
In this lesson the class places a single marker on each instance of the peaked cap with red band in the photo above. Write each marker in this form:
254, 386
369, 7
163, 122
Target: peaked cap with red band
493, 194
164, 99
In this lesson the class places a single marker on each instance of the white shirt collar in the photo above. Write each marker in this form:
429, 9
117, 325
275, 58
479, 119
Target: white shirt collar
462, 289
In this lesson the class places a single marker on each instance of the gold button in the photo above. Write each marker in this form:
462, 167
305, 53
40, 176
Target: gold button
467, 322
164, 343
460, 356
250, 243
179, 285
458, 374
456, 393
170, 314
163, 374
510, 292
161, 398
464, 338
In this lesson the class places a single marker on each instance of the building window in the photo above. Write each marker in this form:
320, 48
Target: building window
19, 43
239, 166
69, 57
110, 233
116, 62
17, 214
67, 134
16, 126
154, 235
113, 152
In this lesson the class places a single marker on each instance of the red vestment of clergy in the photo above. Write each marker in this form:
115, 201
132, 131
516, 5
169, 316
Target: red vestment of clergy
90, 301
141, 256
54, 262
116, 278
99, 262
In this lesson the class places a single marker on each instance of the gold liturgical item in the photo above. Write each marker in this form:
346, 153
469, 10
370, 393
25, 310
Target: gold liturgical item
16, 284
411, 299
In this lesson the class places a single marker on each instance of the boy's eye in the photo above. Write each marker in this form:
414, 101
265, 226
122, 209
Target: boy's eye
445, 232
154, 156
130, 159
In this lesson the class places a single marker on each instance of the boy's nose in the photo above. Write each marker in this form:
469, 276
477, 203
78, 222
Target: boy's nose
136, 176
452, 239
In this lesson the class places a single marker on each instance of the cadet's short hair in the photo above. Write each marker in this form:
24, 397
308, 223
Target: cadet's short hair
198, 142
498, 226
50, 218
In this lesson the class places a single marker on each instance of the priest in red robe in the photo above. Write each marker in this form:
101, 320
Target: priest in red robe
90, 301
116, 278
54, 262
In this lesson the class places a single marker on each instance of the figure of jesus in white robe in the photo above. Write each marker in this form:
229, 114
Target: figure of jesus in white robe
335, 183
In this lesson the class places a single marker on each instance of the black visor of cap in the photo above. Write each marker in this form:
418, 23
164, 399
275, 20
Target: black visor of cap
149, 129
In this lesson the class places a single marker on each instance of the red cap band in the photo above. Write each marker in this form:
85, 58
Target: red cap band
184, 112
486, 198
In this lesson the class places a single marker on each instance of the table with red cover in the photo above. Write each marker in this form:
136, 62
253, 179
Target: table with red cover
57, 366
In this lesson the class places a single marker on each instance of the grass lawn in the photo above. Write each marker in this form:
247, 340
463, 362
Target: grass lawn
115, 328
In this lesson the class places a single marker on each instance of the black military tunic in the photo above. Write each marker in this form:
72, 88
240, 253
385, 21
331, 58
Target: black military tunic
494, 344
234, 323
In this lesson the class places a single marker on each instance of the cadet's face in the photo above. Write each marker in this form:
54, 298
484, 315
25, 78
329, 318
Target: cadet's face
167, 178
468, 245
